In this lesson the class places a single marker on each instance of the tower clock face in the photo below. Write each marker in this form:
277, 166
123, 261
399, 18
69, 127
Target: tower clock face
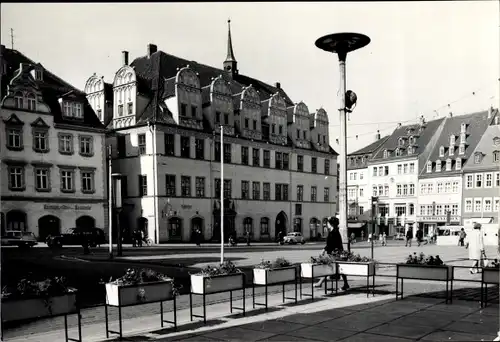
228, 68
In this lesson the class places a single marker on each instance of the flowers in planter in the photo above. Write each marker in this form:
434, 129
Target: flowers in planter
349, 257
421, 259
30, 288
227, 267
135, 276
323, 259
278, 263
493, 264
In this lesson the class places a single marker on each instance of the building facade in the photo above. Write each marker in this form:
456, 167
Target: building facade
481, 180
52, 152
279, 170
440, 178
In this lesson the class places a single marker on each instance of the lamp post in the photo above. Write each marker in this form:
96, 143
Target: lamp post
342, 44
117, 207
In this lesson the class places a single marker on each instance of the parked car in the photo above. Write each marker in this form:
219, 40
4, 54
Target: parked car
294, 238
76, 237
19, 238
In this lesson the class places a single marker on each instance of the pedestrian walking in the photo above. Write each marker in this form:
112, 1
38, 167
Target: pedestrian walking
362, 236
370, 236
353, 237
420, 236
475, 244
333, 243
461, 237
384, 239
409, 237
198, 238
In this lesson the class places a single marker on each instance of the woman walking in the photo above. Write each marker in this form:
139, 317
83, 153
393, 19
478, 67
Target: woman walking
475, 244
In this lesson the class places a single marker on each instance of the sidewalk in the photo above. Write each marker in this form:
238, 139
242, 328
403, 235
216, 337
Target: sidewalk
348, 317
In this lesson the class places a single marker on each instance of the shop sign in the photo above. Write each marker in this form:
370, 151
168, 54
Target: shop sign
66, 207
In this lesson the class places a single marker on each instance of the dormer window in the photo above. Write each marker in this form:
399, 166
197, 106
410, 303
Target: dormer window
451, 151
441, 151
448, 164
401, 142
72, 110
429, 167
496, 156
463, 127
452, 140
39, 74
412, 140
463, 137
18, 100
458, 164
411, 150
496, 141
386, 154
438, 165
478, 156
461, 149
31, 102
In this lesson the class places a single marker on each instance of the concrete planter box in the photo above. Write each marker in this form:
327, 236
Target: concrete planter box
125, 295
356, 268
201, 284
279, 275
490, 276
309, 270
425, 272
21, 309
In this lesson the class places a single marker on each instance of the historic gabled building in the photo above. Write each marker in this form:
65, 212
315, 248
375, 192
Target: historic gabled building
440, 176
481, 179
358, 193
52, 152
166, 112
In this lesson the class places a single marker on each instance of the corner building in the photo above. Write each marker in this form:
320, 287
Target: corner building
165, 115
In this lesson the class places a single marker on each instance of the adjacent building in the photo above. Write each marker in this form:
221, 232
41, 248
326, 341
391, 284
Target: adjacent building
165, 114
481, 179
52, 152
440, 177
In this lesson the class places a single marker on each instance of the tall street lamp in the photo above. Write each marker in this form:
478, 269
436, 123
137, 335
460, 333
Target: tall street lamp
117, 207
342, 44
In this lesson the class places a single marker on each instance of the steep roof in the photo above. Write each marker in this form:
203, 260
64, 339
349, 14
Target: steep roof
476, 125
371, 147
52, 88
489, 143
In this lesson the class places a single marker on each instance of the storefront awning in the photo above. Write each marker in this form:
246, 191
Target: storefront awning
355, 225
481, 220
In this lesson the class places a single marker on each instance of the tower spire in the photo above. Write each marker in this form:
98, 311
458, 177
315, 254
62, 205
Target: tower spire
230, 64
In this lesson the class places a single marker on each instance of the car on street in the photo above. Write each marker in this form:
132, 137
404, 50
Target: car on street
19, 238
294, 238
76, 237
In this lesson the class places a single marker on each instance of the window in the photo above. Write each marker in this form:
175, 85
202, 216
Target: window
463, 127
455, 187
170, 188
496, 205
380, 171
121, 145
194, 109
65, 143
120, 110
314, 194
228, 189
487, 204
266, 190
76, 109
468, 205
439, 209
400, 210
452, 140
380, 190
477, 205
477, 158
200, 186
40, 141
479, 180
361, 175
374, 191
130, 108
99, 114
200, 149
423, 188
185, 147
254, 125
361, 210
141, 142
461, 149
245, 190
448, 165
244, 155
304, 135
469, 183
143, 185
185, 186
423, 210
67, 181
264, 226
488, 180
227, 153
400, 169
226, 119
14, 139
18, 100
398, 190
447, 187
497, 178
439, 187
300, 163
298, 209
326, 195
386, 154
256, 190
405, 169
451, 151
183, 109
386, 191
458, 164
454, 209
256, 158
405, 189
279, 160
16, 178
300, 193
273, 128
285, 161
246, 122
314, 164
438, 165
375, 172
429, 167
87, 181
412, 189
267, 158
217, 187
496, 156
217, 117
174, 227
42, 179
31, 102
169, 144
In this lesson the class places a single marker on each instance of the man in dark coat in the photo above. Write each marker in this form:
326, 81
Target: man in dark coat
334, 243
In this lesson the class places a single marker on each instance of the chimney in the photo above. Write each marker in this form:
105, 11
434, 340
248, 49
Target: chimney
277, 85
152, 48
490, 110
497, 121
451, 114
399, 125
125, 57
422, 120
377, 136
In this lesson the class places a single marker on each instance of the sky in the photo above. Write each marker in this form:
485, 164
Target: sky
424, 58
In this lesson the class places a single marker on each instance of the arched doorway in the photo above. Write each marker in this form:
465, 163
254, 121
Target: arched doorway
248, 226
314, 227
196, 224
16, 220
142, 225
85, 222
297, 224
280, 224
48, 225
175, 228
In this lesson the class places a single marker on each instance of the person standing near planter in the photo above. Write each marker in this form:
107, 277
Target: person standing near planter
420, 236
475, 244
462, 237
334, 243
409, 237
